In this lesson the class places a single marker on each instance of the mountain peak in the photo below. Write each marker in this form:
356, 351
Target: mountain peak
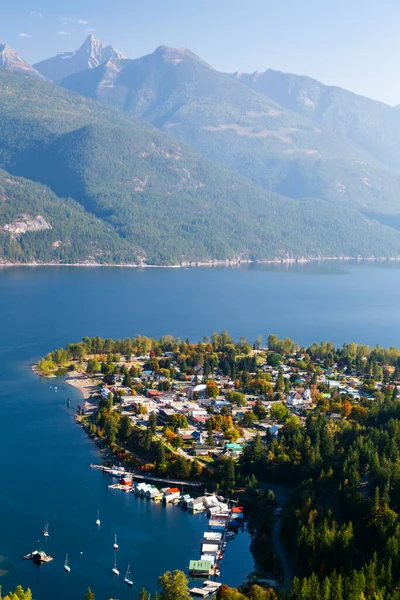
10, 60
91, 54
177, 55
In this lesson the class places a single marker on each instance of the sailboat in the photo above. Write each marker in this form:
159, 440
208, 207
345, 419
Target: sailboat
115, 542
128, 579
66, 565
46, 530
98, 519
115, 570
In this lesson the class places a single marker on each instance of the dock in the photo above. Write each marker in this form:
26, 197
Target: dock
209, 589
144, 477
202, 592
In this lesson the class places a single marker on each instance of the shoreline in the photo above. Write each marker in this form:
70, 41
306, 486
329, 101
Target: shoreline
86, 388
213, 263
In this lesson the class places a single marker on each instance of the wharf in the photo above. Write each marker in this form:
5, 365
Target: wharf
144, 477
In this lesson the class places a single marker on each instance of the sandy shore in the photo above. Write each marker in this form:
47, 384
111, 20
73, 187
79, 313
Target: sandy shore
85, 385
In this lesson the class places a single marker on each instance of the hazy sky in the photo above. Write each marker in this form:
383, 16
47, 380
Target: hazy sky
351, 43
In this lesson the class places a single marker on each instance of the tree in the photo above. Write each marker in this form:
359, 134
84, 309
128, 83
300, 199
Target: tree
143, 595
274, 359
125, 428
153, 422
229, 474
177, 421
111, 429
89, 595
236, 398
258, 342
93, 366
161, 462
147, 440
174, 586
212, 389
278, 411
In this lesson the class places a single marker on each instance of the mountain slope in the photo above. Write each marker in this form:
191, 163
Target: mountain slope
165, 202
10, 60
37, 226
372, 125
250, 133
91, 54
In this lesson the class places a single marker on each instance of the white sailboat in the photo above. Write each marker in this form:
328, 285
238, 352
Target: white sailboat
66, 565
46, 530
115, 570
98, 519
128, 579
115, 543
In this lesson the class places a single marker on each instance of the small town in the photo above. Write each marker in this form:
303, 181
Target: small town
293, 438
205, 402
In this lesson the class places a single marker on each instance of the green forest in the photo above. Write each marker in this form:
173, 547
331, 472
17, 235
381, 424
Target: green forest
116, 190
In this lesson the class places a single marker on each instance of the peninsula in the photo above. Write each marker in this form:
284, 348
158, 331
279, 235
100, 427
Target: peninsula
254, 419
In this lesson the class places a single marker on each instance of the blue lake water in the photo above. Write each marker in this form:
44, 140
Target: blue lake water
45, 456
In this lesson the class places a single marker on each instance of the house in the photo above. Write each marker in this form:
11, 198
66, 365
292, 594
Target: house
274, 430
196, 505
209, 557
233, 449
212, 536
294, 398
200, 567
139, 487
105, 392
199, 389
165, 414
171, 494
218, 404
208, 547
204, 450
126, 481
143, 490
152, 493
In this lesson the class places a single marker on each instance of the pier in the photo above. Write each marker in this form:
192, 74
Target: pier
144, 477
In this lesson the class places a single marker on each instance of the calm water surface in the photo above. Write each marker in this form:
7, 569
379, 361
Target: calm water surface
44, 456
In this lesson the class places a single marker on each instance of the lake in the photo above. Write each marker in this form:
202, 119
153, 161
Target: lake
45, 456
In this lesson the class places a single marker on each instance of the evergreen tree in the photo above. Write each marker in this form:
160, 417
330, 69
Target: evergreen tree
89, 595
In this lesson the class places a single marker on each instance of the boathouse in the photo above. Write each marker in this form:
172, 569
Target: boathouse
200, 567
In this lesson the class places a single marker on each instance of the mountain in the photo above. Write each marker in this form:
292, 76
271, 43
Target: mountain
259, 136
91, 54
372, 125
122, 191
10, 60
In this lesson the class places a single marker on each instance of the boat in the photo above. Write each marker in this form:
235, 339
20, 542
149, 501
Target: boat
46, 530
115, 570
39, 557
98, 519
115, 542
128, 579
66, 565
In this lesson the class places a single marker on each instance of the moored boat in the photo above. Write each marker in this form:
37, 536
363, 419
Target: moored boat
66, 565
128, 579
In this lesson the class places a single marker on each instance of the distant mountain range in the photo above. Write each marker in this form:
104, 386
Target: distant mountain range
202, 166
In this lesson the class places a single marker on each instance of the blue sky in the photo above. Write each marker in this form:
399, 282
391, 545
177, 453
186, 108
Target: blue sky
351, 43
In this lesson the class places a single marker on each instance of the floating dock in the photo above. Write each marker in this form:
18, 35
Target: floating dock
144, 477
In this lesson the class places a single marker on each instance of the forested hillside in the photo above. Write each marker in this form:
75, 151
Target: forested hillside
161, 202
288, 135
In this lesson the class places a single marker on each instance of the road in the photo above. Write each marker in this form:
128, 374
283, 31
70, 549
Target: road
282, 495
